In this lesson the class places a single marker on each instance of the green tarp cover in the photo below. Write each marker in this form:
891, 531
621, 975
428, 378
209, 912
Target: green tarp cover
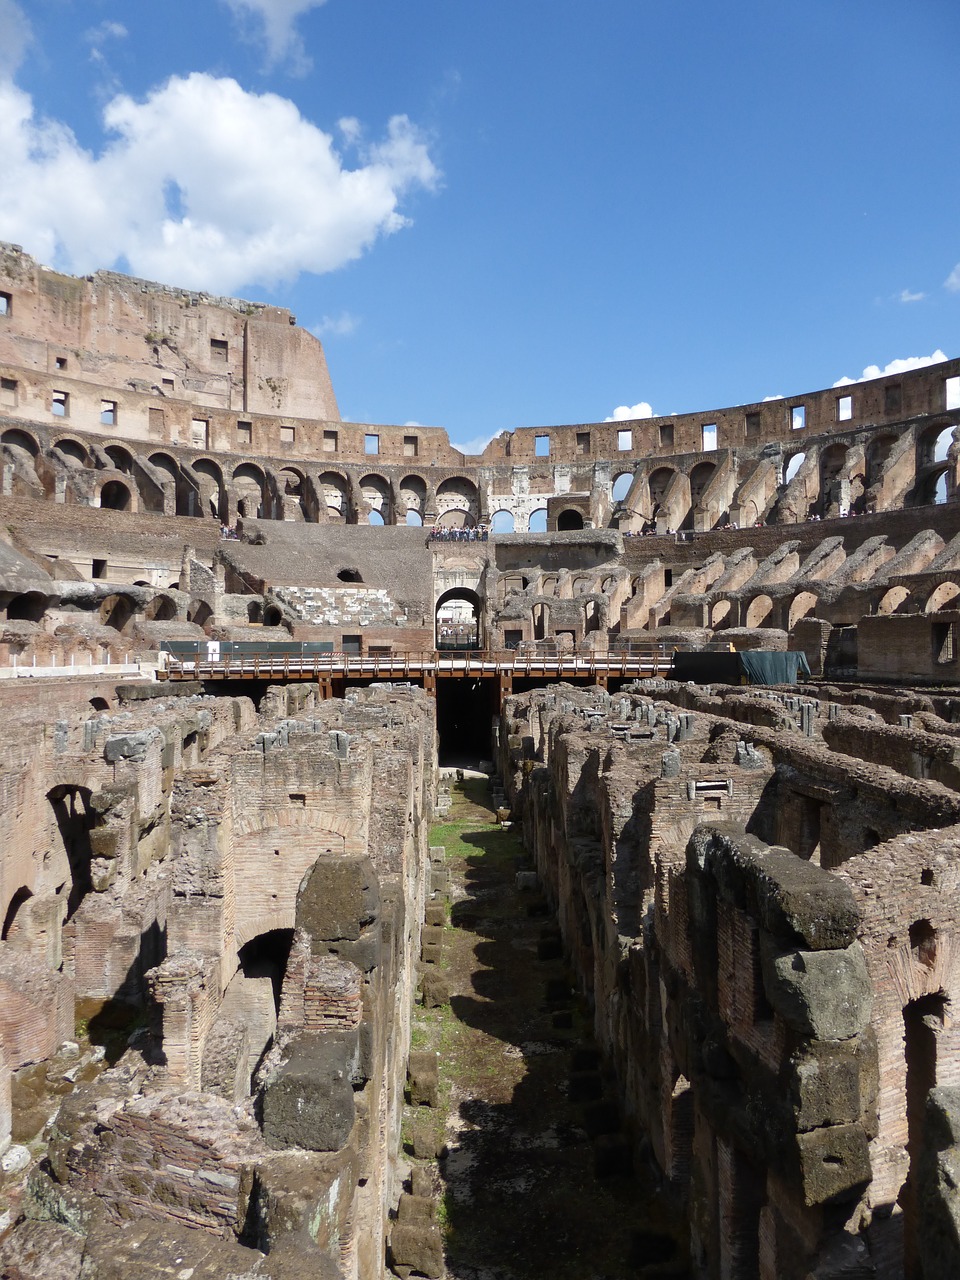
763, 666
751, 666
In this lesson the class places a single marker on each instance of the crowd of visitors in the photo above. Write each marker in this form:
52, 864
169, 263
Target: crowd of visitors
475, 533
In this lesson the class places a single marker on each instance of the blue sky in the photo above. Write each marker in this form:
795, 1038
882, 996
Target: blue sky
511, 212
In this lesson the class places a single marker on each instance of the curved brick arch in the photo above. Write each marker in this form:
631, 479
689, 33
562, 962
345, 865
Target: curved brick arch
317, 820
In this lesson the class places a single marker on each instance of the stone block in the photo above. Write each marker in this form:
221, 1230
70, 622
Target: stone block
791, 898
414, 1208
338, 899
824, 994
421, 1181
423, 1077
418, 1248
436, 914
431, 953
834, 1163
308, 1101
938, 1186
832, 1082
426, 1138
434, 988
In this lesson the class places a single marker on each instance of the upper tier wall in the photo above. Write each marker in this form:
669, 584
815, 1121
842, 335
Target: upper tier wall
148, 362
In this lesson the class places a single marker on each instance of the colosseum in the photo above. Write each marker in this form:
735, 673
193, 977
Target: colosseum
706, 670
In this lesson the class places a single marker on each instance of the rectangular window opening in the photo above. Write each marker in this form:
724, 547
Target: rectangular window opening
98, 569
844, 408
108, 413
945, 641
951, 393
624, 439
8, 392
60, 404
167, 385
199, 433
798, 417
329, 442
219, 350
411, 446
708, 435
60, 362
893, 398
371, 444
244, 433
542, 446
583, 442
666, 435
288, 435
752, 426
6, 304
155, 419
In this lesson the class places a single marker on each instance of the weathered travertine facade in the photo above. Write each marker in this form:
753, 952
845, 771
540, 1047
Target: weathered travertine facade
755, 890
244, 876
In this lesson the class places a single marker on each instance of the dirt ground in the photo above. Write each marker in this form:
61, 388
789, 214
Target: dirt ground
536, 1179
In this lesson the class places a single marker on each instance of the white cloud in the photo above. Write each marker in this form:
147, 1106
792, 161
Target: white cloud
905, 295
203, 185
341, 326
895, 366
766, 398
952, 281
627, 412
15, 37
279, 19
476, 444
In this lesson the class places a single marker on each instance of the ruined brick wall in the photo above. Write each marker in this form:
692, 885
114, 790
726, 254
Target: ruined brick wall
774, 1026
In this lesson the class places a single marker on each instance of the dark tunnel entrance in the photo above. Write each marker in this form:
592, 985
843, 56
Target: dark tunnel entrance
465, 710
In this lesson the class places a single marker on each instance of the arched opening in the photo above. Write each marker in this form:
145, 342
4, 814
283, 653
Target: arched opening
569, 520
210, 478
116, 611
801, 606
413, 497
458, 619
376, 494
700, 478
758, 611
933, 445
99, 704
502, 522
892, 600
254, 611
414, 518
160, 609
10, 927
454, 518
720, 614
942, 597
115, 496
349, 575
248, 485
457, 495
266, 956
29, 607
940, 488
74, 820
121, 458
21, 441
793, 466
336, 492
621, 486
658, 484
375, 518
538, 520
540, 620
200, 614
71, 452
272, 616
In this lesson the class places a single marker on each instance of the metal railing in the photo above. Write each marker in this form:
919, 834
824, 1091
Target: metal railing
305, 660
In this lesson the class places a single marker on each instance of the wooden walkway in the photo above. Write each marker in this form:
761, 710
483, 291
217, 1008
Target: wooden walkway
426, 667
